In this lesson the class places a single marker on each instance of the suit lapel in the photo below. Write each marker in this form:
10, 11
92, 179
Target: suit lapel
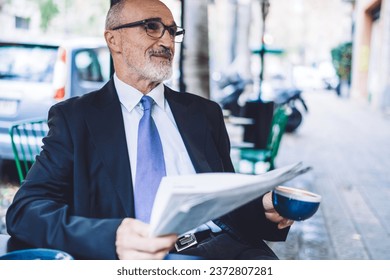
193, 129
105, 123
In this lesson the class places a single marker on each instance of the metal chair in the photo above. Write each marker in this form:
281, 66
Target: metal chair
267, 156
26, 140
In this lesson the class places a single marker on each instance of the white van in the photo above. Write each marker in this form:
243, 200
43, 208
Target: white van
35, 75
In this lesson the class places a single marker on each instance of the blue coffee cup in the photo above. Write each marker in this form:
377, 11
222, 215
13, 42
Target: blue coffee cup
295, 204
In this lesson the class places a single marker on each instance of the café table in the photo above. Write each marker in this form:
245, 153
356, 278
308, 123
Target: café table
9, 244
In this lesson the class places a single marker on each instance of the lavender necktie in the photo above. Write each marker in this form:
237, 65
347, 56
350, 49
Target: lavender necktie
150, 163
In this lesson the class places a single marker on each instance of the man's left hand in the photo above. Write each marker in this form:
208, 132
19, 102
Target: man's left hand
272, 215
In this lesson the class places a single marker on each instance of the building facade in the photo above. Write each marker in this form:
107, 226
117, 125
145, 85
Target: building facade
371, 53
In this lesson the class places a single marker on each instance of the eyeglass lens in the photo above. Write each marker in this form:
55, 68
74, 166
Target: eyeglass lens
156, 29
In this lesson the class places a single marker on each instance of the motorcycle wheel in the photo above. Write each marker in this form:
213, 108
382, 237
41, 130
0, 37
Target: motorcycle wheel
294, 120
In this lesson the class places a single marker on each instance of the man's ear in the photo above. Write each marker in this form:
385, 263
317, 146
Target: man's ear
113, 40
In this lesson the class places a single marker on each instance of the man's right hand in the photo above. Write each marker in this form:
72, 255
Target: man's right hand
133, 242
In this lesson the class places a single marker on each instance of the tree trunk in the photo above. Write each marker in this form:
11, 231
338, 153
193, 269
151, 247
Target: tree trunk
196, 48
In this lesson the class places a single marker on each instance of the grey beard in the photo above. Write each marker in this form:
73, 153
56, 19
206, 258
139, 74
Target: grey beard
157, 73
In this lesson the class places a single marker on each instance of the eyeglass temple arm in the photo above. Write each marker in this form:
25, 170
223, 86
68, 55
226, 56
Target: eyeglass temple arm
181, 32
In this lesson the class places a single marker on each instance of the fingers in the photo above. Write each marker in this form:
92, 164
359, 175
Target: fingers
272, 215
133, 241
152, 244
285, 223
138, 255
267, 202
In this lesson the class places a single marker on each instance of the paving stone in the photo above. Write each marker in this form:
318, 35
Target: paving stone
348, 145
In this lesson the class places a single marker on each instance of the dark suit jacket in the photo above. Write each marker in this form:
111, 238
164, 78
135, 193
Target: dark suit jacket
80, 188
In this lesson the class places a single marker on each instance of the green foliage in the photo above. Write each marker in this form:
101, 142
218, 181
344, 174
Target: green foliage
49, 10
342, 60
64, 13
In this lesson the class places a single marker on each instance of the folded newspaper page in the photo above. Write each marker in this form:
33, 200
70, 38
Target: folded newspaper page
187, 201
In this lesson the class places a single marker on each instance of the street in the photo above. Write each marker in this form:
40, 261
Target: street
348, 145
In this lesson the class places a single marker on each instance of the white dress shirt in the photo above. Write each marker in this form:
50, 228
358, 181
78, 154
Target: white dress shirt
177, 160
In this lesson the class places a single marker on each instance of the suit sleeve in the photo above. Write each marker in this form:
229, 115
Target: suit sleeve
248, 222
41, 214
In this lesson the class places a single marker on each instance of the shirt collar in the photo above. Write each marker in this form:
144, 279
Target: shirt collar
130, 96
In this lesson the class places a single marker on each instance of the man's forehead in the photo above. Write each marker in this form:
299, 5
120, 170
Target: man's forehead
143, 9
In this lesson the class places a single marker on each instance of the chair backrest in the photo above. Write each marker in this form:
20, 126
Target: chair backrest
26, 139
279, 121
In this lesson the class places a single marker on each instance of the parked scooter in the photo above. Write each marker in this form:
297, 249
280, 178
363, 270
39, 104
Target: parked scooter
290, 97
233, 86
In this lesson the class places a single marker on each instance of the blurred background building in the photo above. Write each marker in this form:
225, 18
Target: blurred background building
59, 18
371, 53
221, 35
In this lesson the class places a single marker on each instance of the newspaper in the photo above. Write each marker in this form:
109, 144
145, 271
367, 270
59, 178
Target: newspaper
187, 201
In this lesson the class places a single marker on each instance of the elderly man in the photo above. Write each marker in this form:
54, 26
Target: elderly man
91, 189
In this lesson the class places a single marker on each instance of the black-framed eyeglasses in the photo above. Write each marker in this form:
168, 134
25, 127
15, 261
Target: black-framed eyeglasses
156, 29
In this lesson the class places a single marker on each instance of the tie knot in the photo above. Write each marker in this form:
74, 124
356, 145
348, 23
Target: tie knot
147, 102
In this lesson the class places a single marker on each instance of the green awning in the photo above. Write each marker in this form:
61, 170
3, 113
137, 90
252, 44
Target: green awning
268, 50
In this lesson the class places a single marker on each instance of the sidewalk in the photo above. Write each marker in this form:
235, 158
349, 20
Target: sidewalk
348, 145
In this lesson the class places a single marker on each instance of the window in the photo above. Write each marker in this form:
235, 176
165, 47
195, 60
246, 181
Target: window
27, 63
22, 23
88, 65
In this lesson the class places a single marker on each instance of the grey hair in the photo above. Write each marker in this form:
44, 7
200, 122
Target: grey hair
114, 16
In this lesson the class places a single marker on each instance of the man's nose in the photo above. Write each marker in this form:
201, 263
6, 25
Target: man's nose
166, 41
